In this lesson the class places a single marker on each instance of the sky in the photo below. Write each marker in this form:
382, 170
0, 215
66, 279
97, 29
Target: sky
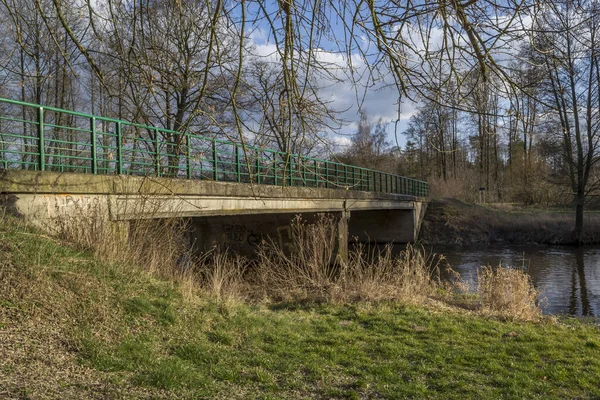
379, 101
343, 96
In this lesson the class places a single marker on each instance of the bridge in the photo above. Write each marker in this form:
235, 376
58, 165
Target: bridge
56, 163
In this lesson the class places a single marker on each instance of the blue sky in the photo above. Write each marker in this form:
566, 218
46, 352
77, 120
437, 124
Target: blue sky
380, 100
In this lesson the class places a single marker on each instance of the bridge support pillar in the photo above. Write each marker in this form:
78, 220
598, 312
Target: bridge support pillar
342, 237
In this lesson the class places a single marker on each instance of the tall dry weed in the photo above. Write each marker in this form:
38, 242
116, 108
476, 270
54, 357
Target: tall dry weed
222, 276
158, 246
508, 292
410, 276
307, 269
303, 268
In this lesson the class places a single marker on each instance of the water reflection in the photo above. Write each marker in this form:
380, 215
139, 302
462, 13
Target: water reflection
579, 282
569, 278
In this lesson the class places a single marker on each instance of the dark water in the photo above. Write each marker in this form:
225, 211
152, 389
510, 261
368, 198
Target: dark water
568, 277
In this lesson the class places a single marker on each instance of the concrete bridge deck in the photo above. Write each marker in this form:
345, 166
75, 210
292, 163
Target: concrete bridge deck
221, 211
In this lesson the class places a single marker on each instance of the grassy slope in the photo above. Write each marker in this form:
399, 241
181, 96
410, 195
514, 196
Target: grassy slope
71, 327
450, 221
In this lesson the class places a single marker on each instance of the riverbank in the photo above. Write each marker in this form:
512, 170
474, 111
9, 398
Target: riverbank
450, 221
72, 326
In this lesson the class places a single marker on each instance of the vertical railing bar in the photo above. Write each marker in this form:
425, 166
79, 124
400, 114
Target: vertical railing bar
157, 151
41, 144
119, 149
388, 183
336, 181
188, 154
237, 163
303, 171
94, 148
290, 169
258, 155
215, 160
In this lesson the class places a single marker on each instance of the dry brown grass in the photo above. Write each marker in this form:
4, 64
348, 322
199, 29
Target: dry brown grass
410, 277
508, 292
222, 276
46, 291
307, 270
303, 269
157, 246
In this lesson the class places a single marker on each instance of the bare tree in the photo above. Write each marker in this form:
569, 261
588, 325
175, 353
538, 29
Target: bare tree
566, 39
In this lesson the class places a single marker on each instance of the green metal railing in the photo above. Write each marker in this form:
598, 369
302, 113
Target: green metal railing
36, 137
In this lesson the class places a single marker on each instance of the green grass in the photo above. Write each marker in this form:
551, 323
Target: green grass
119, 332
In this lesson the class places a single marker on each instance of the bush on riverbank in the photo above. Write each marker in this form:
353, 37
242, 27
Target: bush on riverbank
72, 326
508, 292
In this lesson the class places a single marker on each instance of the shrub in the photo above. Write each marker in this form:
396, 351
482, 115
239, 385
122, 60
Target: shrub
508, 292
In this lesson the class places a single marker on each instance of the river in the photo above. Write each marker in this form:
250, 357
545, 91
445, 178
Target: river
568, 277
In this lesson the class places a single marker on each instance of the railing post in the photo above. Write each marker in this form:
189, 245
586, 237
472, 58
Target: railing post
275, 158
237, 163
303, 171
188, 155
326, 174
345, 175
374, 181
215, 160
290, 173
316, 166
41, 144
119, 149
94, 149
361, 178
387, 183
337, 171
157, 152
